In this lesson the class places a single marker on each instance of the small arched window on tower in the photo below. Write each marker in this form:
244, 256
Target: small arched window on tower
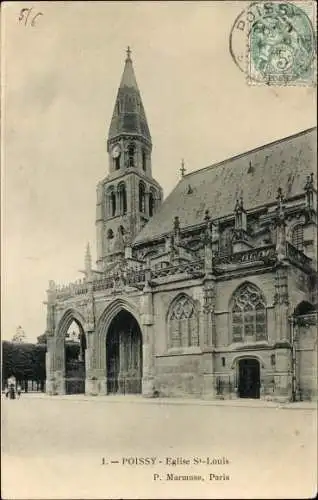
122, 194
297, 237
144, 160
113, 203
142, 197
117, 163
131, 155
151, 203
110, 202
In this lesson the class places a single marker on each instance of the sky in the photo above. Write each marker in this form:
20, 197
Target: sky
59, 83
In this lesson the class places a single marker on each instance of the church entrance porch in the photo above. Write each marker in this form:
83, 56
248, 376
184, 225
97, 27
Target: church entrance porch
249, 378
124, 355
75, 348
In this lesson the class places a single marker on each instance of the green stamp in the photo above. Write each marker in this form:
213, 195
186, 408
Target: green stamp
281, 43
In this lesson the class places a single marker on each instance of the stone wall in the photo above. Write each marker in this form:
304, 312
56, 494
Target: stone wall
178, 375
208, 369
306, 361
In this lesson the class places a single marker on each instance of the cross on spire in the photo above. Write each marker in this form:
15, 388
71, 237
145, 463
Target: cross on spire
182, 169
128, 52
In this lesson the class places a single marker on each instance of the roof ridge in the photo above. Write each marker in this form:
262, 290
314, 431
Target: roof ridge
241, 155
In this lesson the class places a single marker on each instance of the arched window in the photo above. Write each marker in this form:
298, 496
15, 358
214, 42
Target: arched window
142, 197
116, 162
297, 237
151, 203
183, 323
122, 194
113, 203
131, 155
144, 160
110, 202
248, 314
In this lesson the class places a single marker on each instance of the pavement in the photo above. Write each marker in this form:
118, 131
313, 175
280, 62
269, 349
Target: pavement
129, 398
117, 447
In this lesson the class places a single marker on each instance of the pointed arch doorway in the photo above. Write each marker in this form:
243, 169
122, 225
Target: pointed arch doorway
75, 350
124, 355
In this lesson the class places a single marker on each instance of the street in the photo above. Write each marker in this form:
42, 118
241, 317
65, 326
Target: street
62, 448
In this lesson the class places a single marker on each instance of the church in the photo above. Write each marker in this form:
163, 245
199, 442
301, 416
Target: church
210, 293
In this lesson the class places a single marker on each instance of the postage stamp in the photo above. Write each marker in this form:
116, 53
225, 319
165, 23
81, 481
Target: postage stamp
281, 43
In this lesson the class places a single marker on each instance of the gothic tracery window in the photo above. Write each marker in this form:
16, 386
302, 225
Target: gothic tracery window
297, 237
248, 314
183, 323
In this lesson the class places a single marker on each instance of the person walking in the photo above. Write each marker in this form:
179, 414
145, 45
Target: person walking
19, 390
12, 391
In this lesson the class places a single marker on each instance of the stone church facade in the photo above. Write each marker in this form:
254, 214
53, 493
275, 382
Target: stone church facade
210, 293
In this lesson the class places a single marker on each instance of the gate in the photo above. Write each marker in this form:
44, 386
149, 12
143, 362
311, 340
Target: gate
75, 377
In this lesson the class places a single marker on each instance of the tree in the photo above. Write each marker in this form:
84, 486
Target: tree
19, 335
24, 361
42, 339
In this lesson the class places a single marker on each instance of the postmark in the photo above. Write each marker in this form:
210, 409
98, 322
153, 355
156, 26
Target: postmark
237, 41
273, 43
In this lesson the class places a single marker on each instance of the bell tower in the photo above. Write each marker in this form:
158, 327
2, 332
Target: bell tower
129, 196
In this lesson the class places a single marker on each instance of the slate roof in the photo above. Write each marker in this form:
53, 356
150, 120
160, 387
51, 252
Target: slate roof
129, 116
256, 175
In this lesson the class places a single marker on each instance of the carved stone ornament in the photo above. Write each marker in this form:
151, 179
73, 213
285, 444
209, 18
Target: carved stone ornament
50, 319
119, 279
209, 297
89, 315
239, 235
281, 296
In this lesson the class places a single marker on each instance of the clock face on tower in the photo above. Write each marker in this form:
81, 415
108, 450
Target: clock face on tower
116, 151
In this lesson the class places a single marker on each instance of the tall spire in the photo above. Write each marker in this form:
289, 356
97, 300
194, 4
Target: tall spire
128, 79
129, 115
129, 196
